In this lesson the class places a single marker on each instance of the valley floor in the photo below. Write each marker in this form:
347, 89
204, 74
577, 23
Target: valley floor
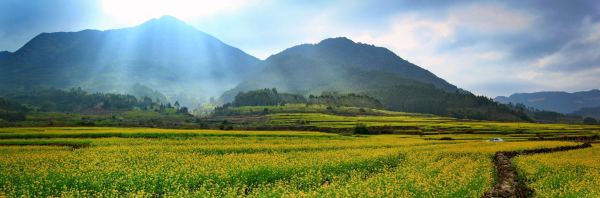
96, 161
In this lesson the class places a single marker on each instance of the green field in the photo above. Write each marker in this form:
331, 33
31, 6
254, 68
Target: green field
326, 118
97, 161
430, 124
302, 117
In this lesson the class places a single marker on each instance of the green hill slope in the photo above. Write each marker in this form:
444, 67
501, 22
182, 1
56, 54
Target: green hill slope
165, 54
343, 66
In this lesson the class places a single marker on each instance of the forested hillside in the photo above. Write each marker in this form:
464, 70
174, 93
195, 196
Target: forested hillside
77, 100
270, 97
593, 112
343, 66
11, 110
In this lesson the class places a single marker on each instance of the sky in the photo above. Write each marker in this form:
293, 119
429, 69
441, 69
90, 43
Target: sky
487, 47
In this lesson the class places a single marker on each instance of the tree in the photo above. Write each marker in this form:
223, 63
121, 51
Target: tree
361, 128
266, 97
176, 105
183, 110
589, 120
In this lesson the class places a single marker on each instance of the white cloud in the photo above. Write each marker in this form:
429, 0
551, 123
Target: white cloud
529, 75
419, 38
582, 53
490, 18
433, 41
408, 33
574, 80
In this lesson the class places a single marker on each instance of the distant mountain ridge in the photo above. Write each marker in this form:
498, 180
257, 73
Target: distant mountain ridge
165, 54
593, 112
558, 101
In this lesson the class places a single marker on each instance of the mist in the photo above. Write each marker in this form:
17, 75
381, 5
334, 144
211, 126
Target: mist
164, 55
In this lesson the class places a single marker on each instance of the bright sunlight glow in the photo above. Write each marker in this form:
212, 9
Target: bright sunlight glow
136, 11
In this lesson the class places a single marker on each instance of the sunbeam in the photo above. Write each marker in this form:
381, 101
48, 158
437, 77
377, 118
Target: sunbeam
347, 98
136, 11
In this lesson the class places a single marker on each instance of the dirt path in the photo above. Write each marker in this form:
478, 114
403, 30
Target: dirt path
508, 181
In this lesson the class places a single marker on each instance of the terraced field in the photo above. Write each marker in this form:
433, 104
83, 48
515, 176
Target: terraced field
183, 163
407, 123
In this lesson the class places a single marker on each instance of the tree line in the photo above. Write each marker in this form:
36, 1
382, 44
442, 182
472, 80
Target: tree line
15, 106
271, 97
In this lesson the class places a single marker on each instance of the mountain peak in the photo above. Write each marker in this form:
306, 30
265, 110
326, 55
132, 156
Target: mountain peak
336, 41
168, 18
165, 20
163, 53
4, 54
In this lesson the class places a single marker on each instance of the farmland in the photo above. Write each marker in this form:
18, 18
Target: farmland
98, 161
344, 119
301, 117
565, 174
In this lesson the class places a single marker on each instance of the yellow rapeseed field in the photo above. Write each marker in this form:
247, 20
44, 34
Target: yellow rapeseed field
68, 162
563, 174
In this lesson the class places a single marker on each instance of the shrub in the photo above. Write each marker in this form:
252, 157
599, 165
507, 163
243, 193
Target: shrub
12, 116
589, 120
361, 128
225, 125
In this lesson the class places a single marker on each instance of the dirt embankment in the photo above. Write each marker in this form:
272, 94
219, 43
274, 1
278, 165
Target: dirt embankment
591, 138
508, 184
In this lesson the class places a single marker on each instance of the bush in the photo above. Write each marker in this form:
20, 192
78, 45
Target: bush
12, 116
362, 129
225, 125
589, 120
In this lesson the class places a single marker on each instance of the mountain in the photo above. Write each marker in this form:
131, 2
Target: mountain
165, 58
165, 54
341, 65
4, 54
593, 112
562, 102
337, 62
